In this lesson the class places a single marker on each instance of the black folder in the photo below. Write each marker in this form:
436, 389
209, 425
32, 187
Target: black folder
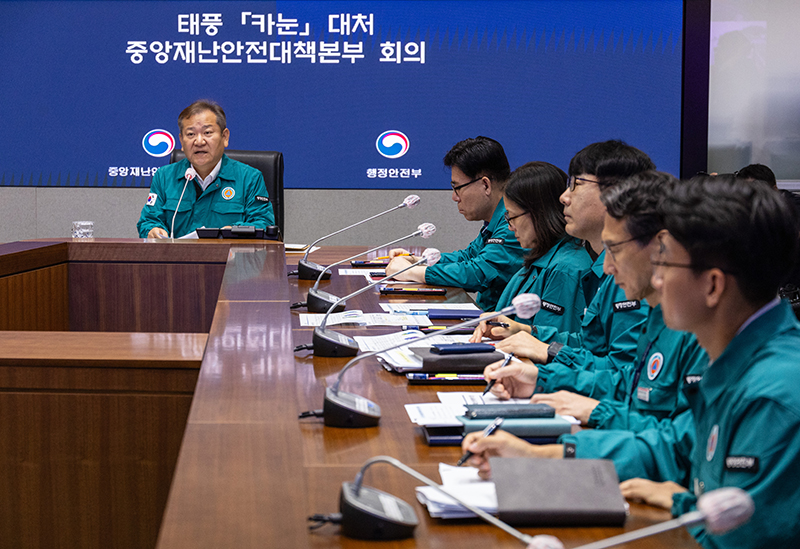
558, 492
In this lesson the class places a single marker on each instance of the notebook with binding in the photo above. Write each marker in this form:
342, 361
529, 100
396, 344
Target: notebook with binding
558, 492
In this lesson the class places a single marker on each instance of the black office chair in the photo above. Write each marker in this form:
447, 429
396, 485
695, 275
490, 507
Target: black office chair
269, 163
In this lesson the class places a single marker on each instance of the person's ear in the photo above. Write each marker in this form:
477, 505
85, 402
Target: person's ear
716, 282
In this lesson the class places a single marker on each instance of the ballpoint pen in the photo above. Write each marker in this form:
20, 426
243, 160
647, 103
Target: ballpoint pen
495, 323
387, 257
503, 365
491, 428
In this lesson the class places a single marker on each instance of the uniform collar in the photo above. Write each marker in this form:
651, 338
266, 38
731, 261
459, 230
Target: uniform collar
738, 355
597, 266
497, 218
545, 260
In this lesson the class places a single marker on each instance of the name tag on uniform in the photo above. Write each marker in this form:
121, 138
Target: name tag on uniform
496, 241
553, 308
643, 394
747, 464
262, 198
623, 306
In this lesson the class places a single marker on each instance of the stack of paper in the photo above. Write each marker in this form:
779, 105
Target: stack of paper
402, 358
364, 319
463, 483
452, 404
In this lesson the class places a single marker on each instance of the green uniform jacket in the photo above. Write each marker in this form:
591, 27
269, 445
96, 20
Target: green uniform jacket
664, 359
609, 329
652, 404
485, 266
237, 196
747, 411
556, 278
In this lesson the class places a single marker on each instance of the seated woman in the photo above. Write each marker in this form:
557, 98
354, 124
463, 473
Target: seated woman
556, 262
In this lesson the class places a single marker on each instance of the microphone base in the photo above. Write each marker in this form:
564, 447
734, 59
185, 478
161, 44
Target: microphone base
319, 301
364, 517
308, 270
330, 343
344, 409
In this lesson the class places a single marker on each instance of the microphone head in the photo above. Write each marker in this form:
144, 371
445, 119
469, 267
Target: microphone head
427, 229
545, 542
526, 305
411, 201
190, 173
725, 509
432, 256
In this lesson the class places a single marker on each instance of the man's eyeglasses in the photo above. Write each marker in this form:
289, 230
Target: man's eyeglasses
509, 219
572, 182
457, 187
657, 261
611, 246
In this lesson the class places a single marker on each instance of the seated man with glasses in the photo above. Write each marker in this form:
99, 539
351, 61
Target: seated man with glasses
611, 322
647, 393
479, 170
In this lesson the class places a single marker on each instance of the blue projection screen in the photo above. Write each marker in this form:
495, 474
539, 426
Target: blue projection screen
355, 94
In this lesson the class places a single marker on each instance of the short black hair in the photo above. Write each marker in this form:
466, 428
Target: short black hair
636, 200
536, 188
746, 230
202, 105
759, 172
610, 161
479, 156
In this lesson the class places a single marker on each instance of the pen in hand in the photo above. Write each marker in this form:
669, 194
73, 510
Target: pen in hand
503, 365
491, 428
495, 323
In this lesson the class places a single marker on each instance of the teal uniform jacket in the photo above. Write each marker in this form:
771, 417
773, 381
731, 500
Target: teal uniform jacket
747, 411
609, 329
485, 266
237, 196
556, 278
664, 360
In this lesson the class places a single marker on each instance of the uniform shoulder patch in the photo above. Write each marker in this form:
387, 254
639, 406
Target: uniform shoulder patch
553, 308
151, 199
623, 306
747, 464
262, 198
496, 241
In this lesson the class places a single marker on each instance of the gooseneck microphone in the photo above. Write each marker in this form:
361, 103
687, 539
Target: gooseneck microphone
721, 510
368, 513
319, 301
343, 409
189, 175
308, 270
330, 343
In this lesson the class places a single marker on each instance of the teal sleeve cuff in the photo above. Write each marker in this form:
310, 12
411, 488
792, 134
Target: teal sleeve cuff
683, 502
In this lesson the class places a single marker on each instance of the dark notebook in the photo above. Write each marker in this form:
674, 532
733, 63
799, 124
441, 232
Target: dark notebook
472, 362
558, 492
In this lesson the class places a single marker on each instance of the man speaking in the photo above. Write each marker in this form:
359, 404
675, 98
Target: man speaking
207, 189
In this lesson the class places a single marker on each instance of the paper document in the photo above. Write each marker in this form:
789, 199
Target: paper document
433, 414
406, 307
464, 483
361, 319
191, 236
297, 249
402, 358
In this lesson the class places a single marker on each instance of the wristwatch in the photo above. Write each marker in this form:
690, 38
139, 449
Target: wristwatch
552, 351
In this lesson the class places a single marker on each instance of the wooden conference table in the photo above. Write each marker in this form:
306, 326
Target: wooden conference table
127, 363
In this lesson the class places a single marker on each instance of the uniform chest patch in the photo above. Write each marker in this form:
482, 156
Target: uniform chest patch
622, 306
654, 365
496, 241
553, 308
748, 464
711, 445
151, 199
228, 193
